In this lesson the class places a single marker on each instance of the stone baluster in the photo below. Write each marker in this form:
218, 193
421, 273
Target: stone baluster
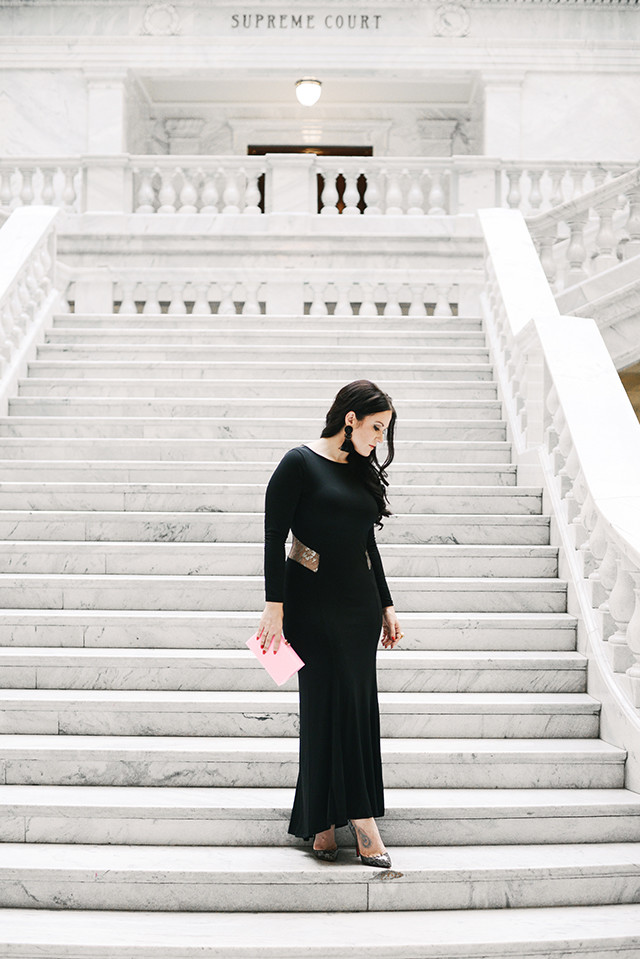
145, 195
633, 638
69, 195
437, 199
227, 306
47, 193
622, 602
514, 196
231, 195
393, 205
372, 195
210, 194
535, 193
569, 474
152, 304
201, 306
6, 194
606, 242
177, 306
26, 191
443, 307
545, 244
318, 301
368, 304
329, 197
343, 301
417, 306
251, 306
557, 176
351, 196
576, 252
415, 197
188, 192
392, 306
252, 193
6, 344
167, 192
128, 302
632, 246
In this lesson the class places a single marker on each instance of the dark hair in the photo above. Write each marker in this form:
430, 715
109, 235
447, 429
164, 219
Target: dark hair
365, 398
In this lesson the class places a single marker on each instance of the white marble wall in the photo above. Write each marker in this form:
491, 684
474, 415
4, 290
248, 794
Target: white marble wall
42, 112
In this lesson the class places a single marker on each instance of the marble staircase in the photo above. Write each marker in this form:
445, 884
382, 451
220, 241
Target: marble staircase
146, 760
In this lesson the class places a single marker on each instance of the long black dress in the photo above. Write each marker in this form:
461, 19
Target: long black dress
333, 619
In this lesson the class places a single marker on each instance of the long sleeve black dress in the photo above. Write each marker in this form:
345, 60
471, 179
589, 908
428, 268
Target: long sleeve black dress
333, 619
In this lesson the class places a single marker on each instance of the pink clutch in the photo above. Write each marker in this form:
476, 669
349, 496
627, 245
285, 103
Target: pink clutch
280, 666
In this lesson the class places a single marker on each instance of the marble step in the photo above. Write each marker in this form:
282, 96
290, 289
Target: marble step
273, 762
362, 351
461, 715
74, 525
247, 559
201, 429
246, 879
313, 371
445, 409
143, 815
159, 471
194, 630
398, 670
249, 497
175, 449
319, 391
386, 324
249, 335
556, 932
411, 593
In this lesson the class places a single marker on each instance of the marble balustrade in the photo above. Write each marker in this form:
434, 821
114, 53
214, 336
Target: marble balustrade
567, 406
27, 287
183, 290
584, 236
42, 182
232, 185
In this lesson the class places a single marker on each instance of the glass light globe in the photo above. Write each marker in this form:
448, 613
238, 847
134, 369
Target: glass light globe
308, 91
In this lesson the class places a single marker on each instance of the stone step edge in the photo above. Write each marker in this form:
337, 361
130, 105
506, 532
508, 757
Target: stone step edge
569, 751
495, 619
415, 703
240, 658
557, 932
271, 803
286, 864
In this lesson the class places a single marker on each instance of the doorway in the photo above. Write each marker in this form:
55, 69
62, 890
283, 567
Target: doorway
324, 151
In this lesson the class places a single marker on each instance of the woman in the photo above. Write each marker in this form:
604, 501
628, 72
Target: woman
330, 598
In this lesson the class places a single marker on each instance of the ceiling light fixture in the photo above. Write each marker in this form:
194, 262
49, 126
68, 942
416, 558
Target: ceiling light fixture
308, 91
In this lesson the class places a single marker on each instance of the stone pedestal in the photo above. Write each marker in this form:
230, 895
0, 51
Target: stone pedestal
290, 187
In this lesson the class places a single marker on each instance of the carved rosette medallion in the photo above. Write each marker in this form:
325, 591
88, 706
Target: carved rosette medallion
452, 20
161, 20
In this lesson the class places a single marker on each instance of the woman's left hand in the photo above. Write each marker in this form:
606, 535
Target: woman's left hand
391, 632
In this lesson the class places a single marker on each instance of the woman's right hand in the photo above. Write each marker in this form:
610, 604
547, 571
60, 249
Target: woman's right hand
270, 628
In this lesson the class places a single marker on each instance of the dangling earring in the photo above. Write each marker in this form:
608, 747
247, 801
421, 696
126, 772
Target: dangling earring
347, 446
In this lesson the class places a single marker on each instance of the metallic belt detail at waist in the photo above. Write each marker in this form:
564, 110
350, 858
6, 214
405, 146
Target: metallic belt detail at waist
304, 555
366, 553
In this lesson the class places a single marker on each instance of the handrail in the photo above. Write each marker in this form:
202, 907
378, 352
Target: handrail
601, 228
567, 408
27, 289
230, 185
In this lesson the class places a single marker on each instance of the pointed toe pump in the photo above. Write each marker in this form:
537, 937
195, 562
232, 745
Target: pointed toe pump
382, 861
326, 855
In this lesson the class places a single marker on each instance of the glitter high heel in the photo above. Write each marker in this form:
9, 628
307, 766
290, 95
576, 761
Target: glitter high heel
382, 861
326, 855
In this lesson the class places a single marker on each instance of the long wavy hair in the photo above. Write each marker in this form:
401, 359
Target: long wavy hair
364, 398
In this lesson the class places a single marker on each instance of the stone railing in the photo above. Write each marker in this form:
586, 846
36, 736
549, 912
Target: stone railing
590, 234
46, 182
570, 417
198, 291
27, 289
294, 183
